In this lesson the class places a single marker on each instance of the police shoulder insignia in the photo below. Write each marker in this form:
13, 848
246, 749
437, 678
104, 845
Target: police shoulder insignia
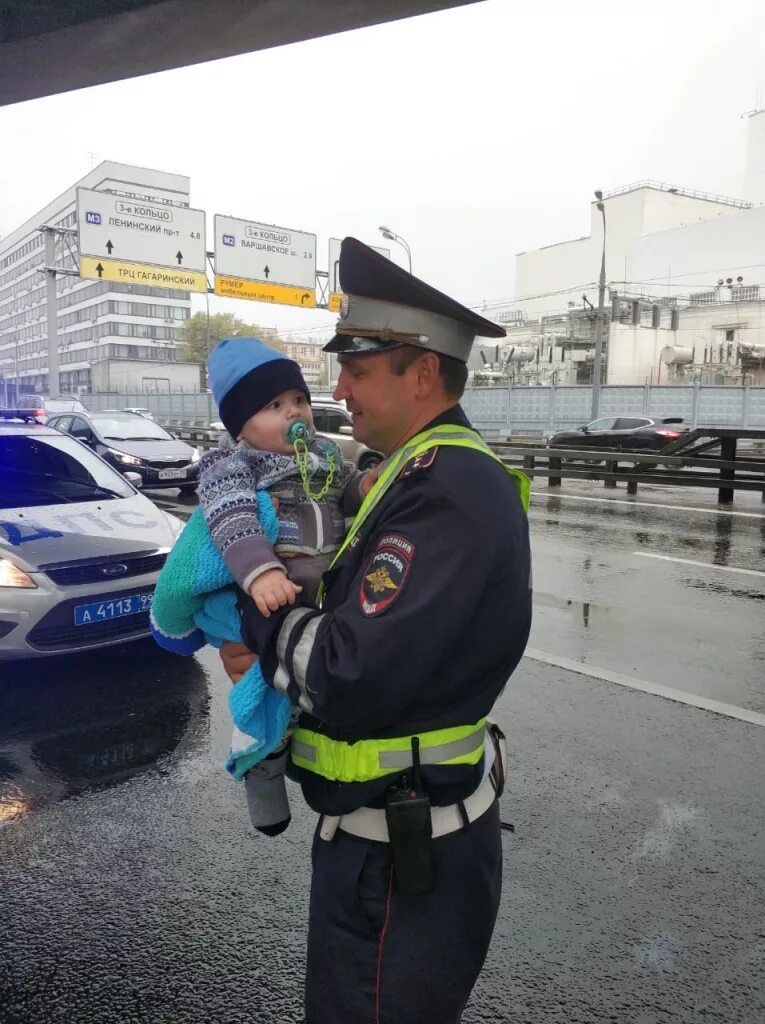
424, 461
385, 573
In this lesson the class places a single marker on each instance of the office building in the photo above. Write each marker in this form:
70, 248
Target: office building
111, 336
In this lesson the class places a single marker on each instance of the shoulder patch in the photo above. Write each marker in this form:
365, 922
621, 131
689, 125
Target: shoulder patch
424, 461
385, 574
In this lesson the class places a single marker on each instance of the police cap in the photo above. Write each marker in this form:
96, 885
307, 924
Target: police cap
384, 307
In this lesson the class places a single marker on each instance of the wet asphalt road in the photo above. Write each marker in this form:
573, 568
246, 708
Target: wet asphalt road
131, 888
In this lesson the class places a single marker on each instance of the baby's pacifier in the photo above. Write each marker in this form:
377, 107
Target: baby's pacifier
298, 431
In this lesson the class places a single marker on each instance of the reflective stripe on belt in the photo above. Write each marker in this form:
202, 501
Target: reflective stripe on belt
366, 760
435, 755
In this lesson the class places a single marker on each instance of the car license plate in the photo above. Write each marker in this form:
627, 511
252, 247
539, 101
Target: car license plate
172, 474
115, 608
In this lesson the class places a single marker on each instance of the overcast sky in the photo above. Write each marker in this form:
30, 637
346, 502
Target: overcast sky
475, 133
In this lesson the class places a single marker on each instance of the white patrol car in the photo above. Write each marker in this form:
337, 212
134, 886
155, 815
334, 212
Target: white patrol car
80, 548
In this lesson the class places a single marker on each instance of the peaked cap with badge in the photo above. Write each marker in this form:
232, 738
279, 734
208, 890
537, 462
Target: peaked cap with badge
384, 307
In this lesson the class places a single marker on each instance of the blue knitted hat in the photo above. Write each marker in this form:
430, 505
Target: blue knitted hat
245, 375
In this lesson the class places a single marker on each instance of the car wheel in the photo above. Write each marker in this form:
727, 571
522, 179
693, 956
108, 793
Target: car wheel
369, 460
188, 488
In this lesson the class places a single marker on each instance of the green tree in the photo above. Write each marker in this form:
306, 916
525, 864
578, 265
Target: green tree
195, 344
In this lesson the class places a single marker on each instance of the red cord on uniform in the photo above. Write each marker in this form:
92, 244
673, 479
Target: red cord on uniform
381, 945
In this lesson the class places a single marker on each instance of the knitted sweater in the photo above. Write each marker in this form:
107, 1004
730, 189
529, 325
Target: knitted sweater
231, 475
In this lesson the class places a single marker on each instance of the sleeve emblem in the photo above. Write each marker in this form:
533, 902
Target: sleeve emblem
385, 574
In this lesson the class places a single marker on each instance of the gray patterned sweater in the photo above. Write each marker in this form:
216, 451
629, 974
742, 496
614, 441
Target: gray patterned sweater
229, 478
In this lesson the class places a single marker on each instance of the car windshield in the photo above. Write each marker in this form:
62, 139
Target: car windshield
129, 428
55, 405
51, 405
54, 470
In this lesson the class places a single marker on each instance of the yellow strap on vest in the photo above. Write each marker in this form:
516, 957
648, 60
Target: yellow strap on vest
436, 437
366, 760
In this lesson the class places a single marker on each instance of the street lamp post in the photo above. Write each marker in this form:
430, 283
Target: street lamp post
597, 365
393, 237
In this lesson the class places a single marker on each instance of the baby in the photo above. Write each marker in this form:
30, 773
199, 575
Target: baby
264, 404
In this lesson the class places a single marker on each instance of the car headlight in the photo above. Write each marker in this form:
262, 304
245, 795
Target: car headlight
194, 455
12, 576
126, 460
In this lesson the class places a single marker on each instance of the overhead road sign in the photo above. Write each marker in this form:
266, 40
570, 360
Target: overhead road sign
335, 295
257, 291
142, 274
136, 231
140, 242
279, 259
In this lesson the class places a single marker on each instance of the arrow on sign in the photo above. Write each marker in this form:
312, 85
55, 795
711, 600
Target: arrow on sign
179, 256
109, 246
304, 296
266, 271
100, 270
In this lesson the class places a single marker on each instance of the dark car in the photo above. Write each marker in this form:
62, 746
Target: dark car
43, 408
132, 443
632, 433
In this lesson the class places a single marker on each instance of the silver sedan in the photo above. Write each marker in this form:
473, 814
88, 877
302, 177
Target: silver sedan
80, 547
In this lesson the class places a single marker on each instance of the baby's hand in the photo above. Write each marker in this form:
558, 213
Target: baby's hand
368, 480
272, 590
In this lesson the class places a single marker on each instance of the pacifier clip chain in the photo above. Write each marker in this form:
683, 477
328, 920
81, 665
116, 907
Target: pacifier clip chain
298, 436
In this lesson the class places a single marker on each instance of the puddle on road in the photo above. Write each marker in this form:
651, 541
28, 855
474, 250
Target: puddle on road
720, 588
72, 725
719, 539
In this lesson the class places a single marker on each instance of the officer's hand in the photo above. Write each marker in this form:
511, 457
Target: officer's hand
237, 659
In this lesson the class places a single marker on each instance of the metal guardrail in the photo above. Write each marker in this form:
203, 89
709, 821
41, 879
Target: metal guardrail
692, 193
727, 475
742, 472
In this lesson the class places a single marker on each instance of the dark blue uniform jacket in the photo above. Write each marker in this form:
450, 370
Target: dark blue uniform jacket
424, 619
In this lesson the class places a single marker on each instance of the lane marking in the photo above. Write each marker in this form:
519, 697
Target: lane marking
650, 504
701, 565
656, 689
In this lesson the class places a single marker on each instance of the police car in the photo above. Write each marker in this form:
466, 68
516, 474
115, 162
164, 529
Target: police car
80, 548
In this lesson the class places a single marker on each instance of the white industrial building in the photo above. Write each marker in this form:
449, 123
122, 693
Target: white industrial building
110, 336
685, 272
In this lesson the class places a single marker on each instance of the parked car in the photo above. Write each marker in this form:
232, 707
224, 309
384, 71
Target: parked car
334, 421
42, 407
141, 412
80, 547
131, 442
632, 433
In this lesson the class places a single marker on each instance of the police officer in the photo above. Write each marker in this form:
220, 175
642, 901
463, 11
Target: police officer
425, 614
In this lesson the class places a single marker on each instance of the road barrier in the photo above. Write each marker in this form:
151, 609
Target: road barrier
740, 473
729, 472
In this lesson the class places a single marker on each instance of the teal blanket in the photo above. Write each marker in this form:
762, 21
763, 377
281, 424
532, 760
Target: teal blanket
195, 603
